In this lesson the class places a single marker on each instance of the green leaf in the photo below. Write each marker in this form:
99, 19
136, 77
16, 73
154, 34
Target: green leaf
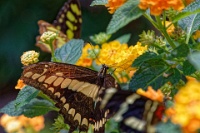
145, 57
191, 9
11, 110
25, 96
124, 39
99, 2
191, 23
100, 38
125, 14
168, 127
180, 51
59, 124
154, 73
194, 59
188, 68
38, 107
70, 52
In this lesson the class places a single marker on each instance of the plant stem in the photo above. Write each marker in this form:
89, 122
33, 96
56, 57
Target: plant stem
162, 29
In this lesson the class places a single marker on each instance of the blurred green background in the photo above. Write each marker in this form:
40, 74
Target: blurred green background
18, 30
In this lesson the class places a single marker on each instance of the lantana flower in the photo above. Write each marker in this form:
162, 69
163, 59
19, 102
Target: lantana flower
151, 94
19, 123
87, 55
187, 107
157, 6
120, 56
113, 5
29, 57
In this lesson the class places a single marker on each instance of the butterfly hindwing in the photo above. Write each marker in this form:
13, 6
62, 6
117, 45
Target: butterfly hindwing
69, 19
133, 112
75, 90
67, 25
58, 42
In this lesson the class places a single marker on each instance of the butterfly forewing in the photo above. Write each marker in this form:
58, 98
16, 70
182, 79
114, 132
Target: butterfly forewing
69, 19
74, 89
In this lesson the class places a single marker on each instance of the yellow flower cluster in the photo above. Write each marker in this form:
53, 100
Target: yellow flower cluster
19, 123
29, 57
86, 60
157, 6
119, 56
187, 107
152, 94
113, 5
170, 27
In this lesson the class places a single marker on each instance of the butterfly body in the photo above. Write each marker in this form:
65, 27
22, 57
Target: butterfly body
75, 90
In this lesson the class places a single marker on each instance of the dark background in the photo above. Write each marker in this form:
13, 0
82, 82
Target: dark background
18, 29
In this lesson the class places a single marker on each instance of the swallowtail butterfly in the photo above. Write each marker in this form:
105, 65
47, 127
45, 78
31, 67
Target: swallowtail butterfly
133, 112
67, 24
76, 91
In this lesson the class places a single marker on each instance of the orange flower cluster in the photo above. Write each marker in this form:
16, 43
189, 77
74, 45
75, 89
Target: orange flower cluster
196, 35
20, 123
189, 1
113, 5
187, 106
157, 6
151, 94
20, 84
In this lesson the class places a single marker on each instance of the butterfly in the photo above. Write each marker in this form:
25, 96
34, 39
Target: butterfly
76, 90
133, 112
67, 25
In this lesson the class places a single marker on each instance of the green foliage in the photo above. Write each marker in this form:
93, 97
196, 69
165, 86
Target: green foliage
155, 73
100, 38
37, 107
11, 110
191, 23
124, 15
168, 127
180, 51
194, 59
27, 104
25, 96
70, 52
59, 124
124, 39
99, 2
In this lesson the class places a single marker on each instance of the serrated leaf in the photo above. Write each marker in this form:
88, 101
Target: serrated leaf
168, 127
193, 8
70, 52
191, 23
11, 110
188, 68
155, 73
180, 51
194, 59
38, 107
25, 96
124, 39
125, 14
145, 57
98, 2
